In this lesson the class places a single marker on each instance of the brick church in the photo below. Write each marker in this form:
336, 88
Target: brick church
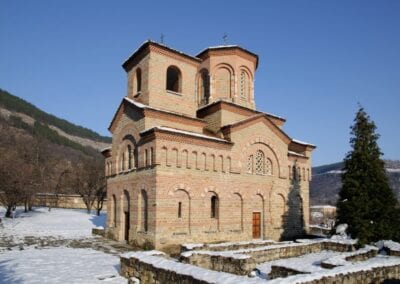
192, 160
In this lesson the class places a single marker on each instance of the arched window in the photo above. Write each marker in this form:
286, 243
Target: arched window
129, 150
138, 80
204, 87
173, 79
214, 207
250, 164
114, 207
144, 211
123, 161
260, 162
268, 167
244, 84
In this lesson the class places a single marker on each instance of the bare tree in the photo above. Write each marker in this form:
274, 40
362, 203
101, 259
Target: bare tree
90, 182
11, 184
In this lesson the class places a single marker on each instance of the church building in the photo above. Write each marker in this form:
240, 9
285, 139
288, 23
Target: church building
193, 160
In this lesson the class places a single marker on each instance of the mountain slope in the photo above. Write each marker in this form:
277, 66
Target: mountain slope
326, 182
22, 114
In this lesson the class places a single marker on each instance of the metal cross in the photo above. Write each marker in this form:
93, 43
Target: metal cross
162, 38
225, 38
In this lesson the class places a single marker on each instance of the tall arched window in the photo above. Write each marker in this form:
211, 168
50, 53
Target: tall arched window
138, 80
114, 207
144, 212
123, 161
244, 84
260, 162
214, 206
173, 79
204, 87
129, 150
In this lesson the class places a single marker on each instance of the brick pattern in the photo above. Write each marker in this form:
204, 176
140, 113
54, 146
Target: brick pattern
182, 173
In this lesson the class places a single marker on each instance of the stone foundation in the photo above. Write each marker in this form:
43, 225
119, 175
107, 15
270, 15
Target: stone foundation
245, 262
161, 270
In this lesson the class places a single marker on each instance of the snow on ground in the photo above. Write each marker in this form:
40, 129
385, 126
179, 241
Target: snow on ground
27, 263
375, 262
59, 223
305, 263
59, 265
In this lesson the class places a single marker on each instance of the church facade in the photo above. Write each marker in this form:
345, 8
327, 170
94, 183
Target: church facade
192, 160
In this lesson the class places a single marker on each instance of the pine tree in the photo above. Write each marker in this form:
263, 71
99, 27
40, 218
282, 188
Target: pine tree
366, 202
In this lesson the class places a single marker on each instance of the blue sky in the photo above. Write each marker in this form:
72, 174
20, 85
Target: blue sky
318, 59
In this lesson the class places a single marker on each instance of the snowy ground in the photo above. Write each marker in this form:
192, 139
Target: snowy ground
56, 247
307, 263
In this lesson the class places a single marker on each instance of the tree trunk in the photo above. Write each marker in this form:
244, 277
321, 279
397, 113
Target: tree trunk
8, 212
26, 205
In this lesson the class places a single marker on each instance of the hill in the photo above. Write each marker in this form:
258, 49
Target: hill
24, 115
326, 182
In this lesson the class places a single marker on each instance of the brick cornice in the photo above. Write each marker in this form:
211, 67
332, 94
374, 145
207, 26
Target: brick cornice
232, 107
151, 46
228, 129
230, 50
156, 133
155, 113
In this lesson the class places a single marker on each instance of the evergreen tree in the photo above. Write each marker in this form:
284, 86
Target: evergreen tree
366, 202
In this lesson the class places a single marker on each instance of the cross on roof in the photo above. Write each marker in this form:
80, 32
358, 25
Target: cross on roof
225, 36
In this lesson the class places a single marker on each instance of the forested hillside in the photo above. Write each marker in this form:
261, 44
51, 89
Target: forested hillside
16, 104
44, 154
326, 181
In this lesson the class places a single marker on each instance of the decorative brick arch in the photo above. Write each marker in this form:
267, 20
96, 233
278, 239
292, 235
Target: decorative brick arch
182, 187
266, 142
231, 77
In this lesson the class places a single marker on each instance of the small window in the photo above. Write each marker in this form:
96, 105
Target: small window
173, 79
204, 87
214, 207
138, 80
179, 209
